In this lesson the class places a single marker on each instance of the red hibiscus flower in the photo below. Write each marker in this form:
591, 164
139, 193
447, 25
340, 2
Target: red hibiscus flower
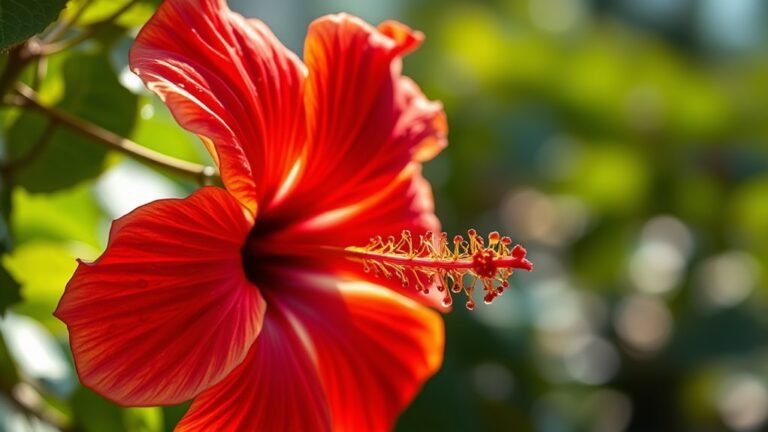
244, 299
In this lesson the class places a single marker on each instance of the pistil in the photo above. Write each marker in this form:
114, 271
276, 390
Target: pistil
451, 267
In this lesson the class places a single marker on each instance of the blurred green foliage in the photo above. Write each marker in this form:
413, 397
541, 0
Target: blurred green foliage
68, 158
624, 143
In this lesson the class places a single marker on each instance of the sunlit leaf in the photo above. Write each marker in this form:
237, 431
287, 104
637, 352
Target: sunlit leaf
42, 289
92, 92
68, 215
99, 10
143, 419
158, 130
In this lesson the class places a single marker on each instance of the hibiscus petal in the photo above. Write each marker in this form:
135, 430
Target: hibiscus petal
374, 350
366, 122
422, 125
352, 354
275, 389
370, 128
166, 311
406, 39
405, 203
232, 82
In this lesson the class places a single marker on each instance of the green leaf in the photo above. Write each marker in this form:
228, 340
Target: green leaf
173, 414
9, 373
20, 19
143, 419
92, 92
5, 214
159, 131
10, 290
99, 10
43, 269
5, 192
94, 413
65, 216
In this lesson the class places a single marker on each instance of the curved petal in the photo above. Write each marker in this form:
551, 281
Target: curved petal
422, 125
366, 122
275, 389
374, 349
351, 354
406, 39
232, 82
166, 311
405, 203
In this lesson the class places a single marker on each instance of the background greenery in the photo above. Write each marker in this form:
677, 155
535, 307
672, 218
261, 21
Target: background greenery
623, 142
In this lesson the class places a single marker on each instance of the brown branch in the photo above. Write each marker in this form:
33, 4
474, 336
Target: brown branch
18, 58
200, 173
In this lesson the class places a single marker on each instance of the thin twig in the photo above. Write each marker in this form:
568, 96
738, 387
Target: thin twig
62, 45
41, 69
61, 27
200, 173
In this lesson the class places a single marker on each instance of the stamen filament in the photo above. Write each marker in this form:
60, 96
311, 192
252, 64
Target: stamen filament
356, 253
434, 260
